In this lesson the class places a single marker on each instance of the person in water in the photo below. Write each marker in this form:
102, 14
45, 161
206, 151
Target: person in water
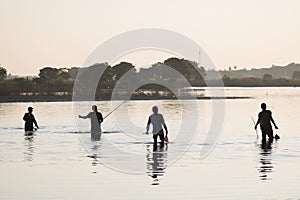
158, 123
264, 119
96, 120
29, 120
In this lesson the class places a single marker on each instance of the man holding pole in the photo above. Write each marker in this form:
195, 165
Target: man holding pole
96, 120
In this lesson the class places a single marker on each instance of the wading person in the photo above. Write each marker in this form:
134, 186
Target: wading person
264, 119
158, 123
96, 120
29, 120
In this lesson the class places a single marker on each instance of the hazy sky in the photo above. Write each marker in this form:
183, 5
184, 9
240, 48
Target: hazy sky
245, 33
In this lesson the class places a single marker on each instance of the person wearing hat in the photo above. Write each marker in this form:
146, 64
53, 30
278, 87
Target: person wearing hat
264, 119
96, 120
29, 120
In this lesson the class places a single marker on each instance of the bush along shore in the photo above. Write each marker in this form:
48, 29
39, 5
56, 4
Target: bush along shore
57, 84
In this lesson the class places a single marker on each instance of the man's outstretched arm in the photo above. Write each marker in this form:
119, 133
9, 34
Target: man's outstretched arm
84, 117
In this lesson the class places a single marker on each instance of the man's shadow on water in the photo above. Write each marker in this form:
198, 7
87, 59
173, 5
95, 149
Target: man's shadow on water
266, 163
156, 162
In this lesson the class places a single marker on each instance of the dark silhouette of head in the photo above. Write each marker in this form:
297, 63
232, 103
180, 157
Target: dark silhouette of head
155, 109
30, 109
94, 108
263, 106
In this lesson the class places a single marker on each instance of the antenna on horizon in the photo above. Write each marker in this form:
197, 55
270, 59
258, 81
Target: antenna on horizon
199, 59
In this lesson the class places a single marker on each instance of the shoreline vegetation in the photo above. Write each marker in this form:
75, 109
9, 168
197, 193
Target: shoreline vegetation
53, 98
62, 84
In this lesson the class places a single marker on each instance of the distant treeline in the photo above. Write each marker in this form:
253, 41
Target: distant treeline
290, 71
60, 81
260, 82
53, 80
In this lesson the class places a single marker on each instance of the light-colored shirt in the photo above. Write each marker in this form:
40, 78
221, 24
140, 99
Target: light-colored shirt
157, 121
96, 119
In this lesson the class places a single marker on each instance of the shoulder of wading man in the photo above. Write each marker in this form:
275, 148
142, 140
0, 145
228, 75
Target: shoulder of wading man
157, 122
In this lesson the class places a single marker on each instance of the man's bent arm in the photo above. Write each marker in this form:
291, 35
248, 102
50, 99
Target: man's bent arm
101, 118
25, 117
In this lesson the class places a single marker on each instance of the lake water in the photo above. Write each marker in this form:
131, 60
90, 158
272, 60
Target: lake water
61, 162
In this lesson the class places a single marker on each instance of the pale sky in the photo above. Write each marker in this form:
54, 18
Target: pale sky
245, 33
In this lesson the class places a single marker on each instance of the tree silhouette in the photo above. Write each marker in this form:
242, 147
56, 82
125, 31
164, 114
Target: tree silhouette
120, 69
3, 73
188, 69
48, 73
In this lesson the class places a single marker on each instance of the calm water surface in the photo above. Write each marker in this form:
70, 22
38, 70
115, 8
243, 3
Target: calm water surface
61, 162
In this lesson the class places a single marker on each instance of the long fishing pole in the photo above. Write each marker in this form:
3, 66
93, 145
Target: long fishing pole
254, 125
114, 109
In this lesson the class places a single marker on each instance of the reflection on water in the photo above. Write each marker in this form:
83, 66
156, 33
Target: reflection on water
29, 148
156, 162
266, 163
95, 150
58, 147
156, 159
